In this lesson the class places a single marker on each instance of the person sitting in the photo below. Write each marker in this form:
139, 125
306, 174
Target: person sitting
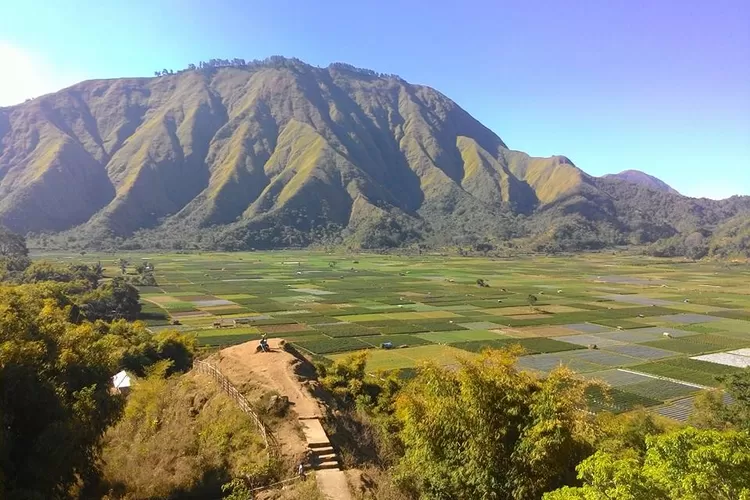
264, 345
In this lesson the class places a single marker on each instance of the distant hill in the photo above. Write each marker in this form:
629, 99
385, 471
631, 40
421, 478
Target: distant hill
642, 178
280, 153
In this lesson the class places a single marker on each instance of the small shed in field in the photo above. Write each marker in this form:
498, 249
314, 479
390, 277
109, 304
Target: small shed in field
121, 382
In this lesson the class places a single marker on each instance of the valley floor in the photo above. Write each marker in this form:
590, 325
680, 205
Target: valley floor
656, 330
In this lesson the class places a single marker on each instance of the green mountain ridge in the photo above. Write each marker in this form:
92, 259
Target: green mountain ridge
283, 153
638, 177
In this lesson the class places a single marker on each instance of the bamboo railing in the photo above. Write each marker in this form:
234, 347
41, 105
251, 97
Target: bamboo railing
232, 392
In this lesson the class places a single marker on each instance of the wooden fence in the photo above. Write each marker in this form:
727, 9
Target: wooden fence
231, 390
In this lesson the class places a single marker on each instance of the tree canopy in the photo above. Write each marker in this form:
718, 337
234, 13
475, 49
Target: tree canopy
486, 430
688, 464
54, 388
63, 334
12, 245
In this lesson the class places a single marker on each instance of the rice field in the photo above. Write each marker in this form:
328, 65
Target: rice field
657, 330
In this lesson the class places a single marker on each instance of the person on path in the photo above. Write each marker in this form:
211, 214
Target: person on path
264, 345
301, 471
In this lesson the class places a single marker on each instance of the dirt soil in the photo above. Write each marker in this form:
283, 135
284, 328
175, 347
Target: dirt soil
257, 373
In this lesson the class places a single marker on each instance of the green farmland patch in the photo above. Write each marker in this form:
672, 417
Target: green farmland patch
329, 346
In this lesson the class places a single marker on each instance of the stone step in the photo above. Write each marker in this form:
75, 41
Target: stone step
323, 450
320, 444
327, 465
327, 457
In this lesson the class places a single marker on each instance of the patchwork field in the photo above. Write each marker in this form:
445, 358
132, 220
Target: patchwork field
656, 330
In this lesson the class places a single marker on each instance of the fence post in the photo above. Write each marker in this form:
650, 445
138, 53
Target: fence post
244, 405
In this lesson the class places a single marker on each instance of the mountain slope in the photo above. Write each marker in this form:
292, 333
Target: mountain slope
642, 178
278, 153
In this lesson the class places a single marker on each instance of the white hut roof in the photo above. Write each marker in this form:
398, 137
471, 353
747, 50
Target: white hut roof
122, 379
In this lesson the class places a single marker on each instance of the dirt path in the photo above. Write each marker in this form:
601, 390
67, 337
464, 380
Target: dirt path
274, 370
332, 484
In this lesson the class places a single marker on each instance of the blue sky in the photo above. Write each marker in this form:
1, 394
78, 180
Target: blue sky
660, 85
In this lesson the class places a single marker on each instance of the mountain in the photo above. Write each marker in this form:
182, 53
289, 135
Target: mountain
642, 178
277, 153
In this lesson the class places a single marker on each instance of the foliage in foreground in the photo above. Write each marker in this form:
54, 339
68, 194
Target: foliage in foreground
688, 464
180, 434
59, 347
713, 412
54, 388
486, 430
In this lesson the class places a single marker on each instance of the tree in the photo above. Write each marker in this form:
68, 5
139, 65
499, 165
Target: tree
484, 247
687, 463
712, 411
696, 246
626, 433
738, 387
709, 411
12, 245
345, 377
115, 299
54, 388
531, 299
176, 347
137, 349
87, 276
14, 254
485, 430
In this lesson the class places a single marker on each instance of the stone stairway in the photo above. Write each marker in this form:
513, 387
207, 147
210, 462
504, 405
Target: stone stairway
324, 461
323, 457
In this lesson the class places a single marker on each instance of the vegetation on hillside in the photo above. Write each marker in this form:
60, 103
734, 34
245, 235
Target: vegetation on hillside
642, 178
479, 429
731, 239
178, 435
235, 154
687, 464
59, 348
485, 430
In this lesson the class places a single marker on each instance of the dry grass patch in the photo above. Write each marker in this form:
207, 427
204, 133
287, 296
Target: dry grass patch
403, 315
178, 435
529, 316
162, 299
544, 331
292, 327
520, 333
558, 309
